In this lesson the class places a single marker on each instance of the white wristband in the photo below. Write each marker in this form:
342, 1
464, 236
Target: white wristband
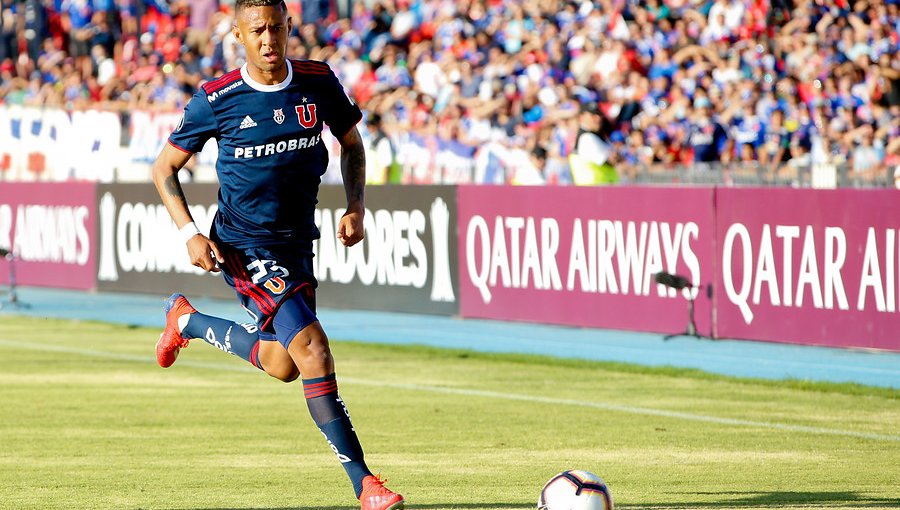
188, 231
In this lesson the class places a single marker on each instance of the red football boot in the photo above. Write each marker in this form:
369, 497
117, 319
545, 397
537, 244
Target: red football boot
170, 341
375, 496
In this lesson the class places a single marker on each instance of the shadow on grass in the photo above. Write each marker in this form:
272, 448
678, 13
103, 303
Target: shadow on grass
449, 506
776, 500
751, 500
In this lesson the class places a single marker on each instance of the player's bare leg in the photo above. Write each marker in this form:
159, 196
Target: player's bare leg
310, 351
277, 362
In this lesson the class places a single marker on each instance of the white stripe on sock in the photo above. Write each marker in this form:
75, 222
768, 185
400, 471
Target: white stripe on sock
182, 322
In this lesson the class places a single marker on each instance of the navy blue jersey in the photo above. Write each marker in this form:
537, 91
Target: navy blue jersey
271, 156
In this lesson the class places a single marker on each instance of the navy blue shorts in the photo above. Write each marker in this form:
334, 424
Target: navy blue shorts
278, 290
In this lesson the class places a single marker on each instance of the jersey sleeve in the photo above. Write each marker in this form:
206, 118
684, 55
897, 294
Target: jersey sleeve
343, 114
198, 124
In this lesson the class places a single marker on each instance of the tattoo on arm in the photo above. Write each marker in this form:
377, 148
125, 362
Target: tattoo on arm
353, 166
173, 188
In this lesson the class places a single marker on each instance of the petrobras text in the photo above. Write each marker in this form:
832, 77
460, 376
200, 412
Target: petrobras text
269, 149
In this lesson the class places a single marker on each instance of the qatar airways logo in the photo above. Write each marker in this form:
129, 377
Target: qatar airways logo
294, 144
594, 256
806, 266
46, 233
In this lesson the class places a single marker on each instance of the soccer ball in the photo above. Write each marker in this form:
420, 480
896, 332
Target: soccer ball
575, 490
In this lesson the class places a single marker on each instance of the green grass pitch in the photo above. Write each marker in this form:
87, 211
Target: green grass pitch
87, 420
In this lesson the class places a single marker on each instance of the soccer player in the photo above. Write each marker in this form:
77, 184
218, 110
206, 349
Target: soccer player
267, 117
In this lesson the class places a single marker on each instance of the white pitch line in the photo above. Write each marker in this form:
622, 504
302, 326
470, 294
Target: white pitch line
649, 411
625, 409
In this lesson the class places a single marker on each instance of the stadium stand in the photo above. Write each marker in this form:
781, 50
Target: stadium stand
694, 91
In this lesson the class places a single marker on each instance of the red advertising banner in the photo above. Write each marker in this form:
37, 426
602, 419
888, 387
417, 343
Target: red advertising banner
586, 256
809, 266
48, 228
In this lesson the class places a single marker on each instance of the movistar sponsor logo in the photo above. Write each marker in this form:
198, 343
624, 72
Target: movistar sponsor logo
212, 97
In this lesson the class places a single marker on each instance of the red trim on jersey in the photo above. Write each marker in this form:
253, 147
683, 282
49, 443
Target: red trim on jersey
265, 303
231, 267
247, 289
310, 67
265, 325
243, 285
312, 63
300, 65
306, 71
222, 81
179, 148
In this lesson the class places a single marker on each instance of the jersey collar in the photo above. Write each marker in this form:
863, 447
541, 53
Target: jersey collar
267, 88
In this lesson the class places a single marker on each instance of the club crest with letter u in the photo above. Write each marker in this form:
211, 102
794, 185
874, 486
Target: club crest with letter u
306, 114
278, 115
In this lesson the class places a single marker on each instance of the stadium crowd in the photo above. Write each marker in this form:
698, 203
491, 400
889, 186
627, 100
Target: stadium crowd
543, 91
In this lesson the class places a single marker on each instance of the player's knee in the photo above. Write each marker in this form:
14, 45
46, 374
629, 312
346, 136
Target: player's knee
285, 375
283, 372
290, 377
317, 352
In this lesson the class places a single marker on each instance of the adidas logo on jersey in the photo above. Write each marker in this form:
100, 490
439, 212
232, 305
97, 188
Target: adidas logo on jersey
247, 123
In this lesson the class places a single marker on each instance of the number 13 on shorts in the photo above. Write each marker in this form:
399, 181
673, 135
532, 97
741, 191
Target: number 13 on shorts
271, 272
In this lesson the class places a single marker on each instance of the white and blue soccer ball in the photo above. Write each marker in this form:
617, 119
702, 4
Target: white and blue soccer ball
575, 490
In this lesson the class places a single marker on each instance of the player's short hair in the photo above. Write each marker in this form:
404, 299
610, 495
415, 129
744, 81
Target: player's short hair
241, 4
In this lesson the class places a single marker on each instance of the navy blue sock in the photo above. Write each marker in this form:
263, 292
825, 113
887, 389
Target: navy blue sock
225, 335
331, 415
